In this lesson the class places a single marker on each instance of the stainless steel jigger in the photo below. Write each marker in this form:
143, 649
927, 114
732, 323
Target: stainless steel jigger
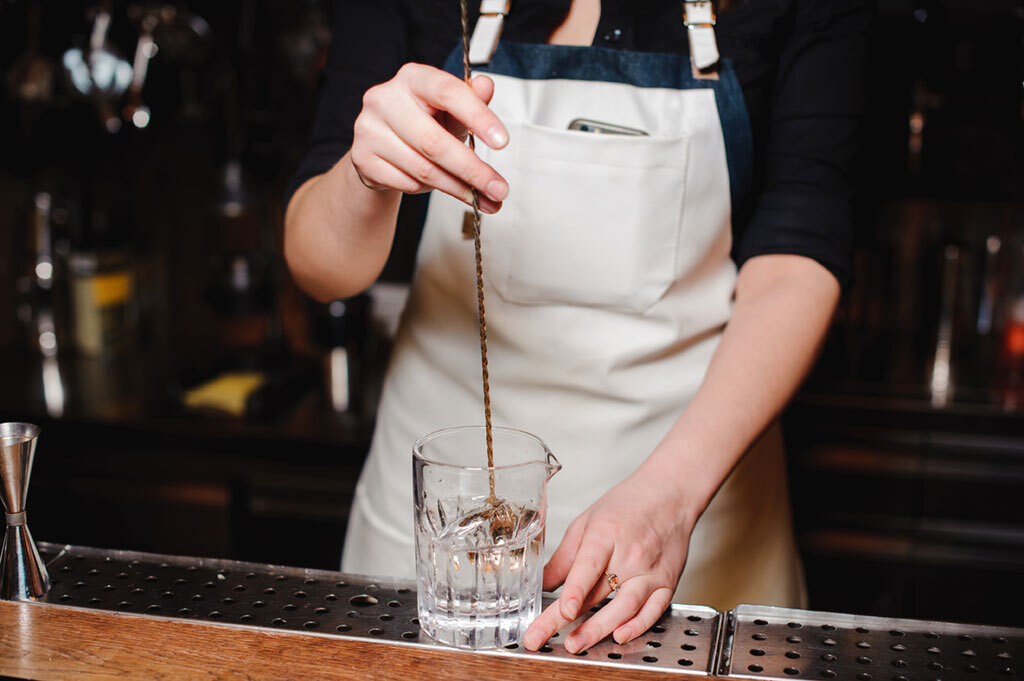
22, 573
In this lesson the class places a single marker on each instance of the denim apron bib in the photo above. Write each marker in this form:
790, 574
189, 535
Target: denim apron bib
609, 282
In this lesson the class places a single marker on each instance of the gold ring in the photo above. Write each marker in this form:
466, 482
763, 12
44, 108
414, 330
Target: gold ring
613, 580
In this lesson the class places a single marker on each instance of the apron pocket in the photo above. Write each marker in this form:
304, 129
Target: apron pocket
596, 221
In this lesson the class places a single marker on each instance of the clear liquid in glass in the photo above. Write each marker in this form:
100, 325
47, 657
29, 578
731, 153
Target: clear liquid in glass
479, 584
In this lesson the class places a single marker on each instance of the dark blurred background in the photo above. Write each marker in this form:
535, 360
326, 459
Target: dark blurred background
193, 401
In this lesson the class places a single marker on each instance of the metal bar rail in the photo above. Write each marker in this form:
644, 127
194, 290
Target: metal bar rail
118, 614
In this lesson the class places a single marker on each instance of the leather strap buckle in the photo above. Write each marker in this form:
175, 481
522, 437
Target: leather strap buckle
699, 18
487, 31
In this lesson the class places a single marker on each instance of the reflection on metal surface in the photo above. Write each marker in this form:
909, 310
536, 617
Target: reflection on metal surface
53, 384
989, 286
683, 642
43, 241
53, 387
941, 383
134, 110
778, 643
99, 73
338, 377
22, 573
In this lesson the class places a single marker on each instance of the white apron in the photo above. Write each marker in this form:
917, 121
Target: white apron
608, 283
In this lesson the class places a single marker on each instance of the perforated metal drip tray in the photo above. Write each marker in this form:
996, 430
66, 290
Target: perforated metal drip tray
684, 641
751, 642
766, 642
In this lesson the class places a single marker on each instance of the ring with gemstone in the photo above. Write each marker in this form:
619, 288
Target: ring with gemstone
613, 580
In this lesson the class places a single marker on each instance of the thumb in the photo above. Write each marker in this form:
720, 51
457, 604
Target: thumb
483, 87
557, 568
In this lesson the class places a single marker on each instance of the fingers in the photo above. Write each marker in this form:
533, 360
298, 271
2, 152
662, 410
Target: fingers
376, 143
587, 568
656, 604
623, 608
483, 87
435, 144
398, 124
430, 175
600, 592
634, 610
441, 91
557, 568
553, 619
547, 624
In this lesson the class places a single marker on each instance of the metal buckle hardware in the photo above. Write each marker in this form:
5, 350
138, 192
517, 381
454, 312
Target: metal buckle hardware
699, 13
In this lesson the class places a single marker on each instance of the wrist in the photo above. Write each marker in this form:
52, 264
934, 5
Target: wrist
691, 473
356, 187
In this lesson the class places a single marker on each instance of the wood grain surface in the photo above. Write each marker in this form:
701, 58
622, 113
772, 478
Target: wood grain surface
51, 642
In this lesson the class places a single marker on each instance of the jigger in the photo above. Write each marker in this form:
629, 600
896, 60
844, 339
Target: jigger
22, 573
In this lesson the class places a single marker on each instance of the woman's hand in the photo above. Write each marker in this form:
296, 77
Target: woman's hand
410, 136
640, 532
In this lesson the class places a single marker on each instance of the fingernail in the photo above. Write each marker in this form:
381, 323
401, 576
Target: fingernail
497, 190
497, 136
573, 645
572, 607
532, 640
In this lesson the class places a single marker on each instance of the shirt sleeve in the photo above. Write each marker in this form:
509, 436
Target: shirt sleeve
368, 45
803, 206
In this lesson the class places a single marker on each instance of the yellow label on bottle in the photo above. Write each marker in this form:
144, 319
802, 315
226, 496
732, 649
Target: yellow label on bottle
102, 311
111, 289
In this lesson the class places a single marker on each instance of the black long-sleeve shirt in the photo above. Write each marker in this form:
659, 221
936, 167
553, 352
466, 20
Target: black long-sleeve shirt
799, 62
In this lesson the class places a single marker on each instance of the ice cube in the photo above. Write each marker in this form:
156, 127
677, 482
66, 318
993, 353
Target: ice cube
434, 525
472, 529
528, 519
447, 511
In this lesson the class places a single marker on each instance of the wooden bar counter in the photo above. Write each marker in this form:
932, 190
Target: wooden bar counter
121, 615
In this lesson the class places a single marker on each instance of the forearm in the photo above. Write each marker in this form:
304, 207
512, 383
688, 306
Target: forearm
783, 308
338, 232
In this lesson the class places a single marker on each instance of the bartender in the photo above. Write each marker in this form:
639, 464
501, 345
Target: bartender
660, 276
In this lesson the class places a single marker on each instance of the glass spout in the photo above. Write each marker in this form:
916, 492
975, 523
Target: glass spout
553, 466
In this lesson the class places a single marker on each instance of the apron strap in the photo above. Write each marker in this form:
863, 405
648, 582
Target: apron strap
699, 18
487, 30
